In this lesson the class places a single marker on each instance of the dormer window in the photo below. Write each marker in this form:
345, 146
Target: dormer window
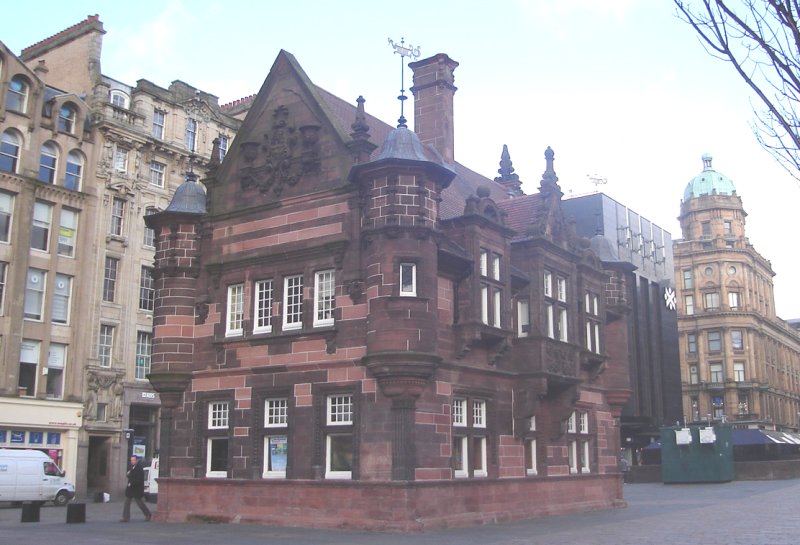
66, 119
17, 95
119, 99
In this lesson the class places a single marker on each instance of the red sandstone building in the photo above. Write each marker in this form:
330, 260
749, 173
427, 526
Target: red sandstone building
354, 330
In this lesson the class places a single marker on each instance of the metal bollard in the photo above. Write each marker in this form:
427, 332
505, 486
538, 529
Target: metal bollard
76, 513
30, 512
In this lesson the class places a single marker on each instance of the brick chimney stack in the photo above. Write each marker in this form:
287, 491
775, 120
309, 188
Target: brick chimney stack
433, 103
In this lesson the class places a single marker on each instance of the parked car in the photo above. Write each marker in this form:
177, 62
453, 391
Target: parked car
151, 482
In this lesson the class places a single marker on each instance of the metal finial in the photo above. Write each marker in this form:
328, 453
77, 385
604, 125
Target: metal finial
403, 51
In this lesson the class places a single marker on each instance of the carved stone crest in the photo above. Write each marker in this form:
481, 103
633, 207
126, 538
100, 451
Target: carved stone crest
283, 157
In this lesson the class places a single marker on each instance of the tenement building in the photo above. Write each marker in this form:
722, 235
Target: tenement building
621, 235
85, 158
740, 363
48, 206
351, 329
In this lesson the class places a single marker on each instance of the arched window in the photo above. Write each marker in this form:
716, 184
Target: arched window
9, 151
72, 179
119, 99
47, 163
66, 119
17, 95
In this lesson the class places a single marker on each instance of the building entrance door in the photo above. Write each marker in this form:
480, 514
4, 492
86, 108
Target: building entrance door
98, 473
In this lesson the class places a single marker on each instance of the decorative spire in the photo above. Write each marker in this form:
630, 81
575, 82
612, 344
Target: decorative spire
359, 126
404, 52
507, 178
549, 178
360, 145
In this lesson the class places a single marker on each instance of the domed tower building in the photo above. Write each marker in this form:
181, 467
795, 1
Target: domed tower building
740, 363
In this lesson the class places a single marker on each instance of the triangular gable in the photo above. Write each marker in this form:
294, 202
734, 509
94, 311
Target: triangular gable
286, 136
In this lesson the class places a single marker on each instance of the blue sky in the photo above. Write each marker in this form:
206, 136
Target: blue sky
620, 89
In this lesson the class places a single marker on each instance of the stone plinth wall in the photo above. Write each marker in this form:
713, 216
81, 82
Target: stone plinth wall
386, 507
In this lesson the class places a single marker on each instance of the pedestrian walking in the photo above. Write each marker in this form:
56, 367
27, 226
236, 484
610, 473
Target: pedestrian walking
135, 490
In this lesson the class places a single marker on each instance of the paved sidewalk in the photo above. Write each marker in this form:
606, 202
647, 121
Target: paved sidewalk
736, 513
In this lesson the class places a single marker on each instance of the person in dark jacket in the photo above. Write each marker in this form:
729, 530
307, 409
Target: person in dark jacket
135, 490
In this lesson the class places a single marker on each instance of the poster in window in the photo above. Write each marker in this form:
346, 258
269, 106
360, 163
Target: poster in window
36, 437
17, 436
278, 450
2, 436
53, 438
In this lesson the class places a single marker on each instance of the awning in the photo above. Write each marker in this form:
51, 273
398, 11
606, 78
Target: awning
753, 437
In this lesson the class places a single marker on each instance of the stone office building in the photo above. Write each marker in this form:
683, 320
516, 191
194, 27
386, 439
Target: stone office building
48, 206
125, 153
740, 362
352, 329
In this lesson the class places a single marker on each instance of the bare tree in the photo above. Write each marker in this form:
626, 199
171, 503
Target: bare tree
761, 39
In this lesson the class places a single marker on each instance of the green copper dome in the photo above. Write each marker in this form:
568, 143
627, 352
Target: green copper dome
709, 182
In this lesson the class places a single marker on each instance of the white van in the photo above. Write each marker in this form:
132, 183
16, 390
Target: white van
150, 481
30, 475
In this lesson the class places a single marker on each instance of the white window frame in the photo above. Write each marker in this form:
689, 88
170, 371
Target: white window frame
119, 99
218, 415
324, 297
496, 267
158, 174
147, 289
105, 345
121, 160
738, 371
35, 290
215, 474
67, 117
479, 468
67, 232
234, 322
484, 262
523, 318
330, 473
548, 283
262, 307
462, 460
3, 273
339, 410
572, 423
56, 365
42, 220
62, 293
485, 304
478, 413
276, 412
532, 461
293, 302
408, 279
267, 471
688, 303
117, 216
48, 163
6, 215
159, 123
144, 354
460, 412
190, 134
224, 141
497, 299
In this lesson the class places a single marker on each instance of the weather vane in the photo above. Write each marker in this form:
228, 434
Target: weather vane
403, 51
